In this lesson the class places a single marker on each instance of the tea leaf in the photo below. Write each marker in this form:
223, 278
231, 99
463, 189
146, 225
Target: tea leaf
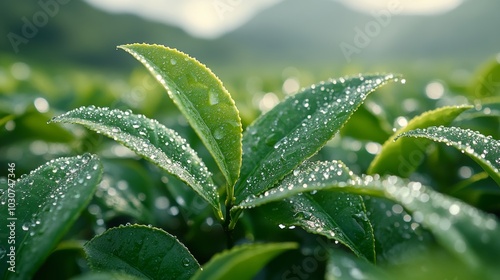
141, 251
41, 207
202, 99
402, 157
339, 216
153, 141
482, 149
297, 128
241, 262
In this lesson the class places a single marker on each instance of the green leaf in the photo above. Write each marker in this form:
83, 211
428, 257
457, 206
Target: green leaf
202, 99
484, 150
402, 157
142, 251
379, 130
153, 141
45, 205
344, 266
297, 128
339, 216
241, 262
487, 81
396, 240
466, 232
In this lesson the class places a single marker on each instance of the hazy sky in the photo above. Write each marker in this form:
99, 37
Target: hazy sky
213, 18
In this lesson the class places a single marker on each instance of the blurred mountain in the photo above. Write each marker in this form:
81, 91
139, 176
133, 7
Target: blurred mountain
293, 32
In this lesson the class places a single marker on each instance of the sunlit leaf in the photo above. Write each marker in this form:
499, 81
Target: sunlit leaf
483, 149
402, 157
40, 208
202, 99
145, 252
297, 128
153, 141
241, 262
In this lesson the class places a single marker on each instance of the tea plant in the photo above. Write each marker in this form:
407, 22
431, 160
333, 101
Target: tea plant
381, 224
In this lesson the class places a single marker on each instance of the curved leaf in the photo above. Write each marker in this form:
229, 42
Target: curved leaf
46, 204
484, 150
241, 262
339, 216
402, 157
153, 141
202, 99
297, 128
454, 224
142, 251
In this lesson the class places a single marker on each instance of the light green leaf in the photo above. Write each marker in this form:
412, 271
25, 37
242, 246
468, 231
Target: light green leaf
41, 207
487, 80
202, 99
482, 149
145, 252
153, 141
241, 262
402, 157
339, 216
297, 128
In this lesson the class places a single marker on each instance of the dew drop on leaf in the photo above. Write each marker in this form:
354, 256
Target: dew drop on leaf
213, 97
2, 252
26, 226
186, 262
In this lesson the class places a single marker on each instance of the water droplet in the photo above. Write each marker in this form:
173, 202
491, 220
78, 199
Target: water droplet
219, 133
26, 226
2, 252
173, 61
186, 262
213, 97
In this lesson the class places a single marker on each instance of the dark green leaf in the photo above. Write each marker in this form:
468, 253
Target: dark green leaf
402, 157
106, 276
241, 262
202, 99
47, 202
484, 150
153, 141
145, 252
297, 128
339, 216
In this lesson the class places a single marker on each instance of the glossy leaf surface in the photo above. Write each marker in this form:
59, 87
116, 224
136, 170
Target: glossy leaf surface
141, 251
202, 99
297, 128
41, 207
151, 140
